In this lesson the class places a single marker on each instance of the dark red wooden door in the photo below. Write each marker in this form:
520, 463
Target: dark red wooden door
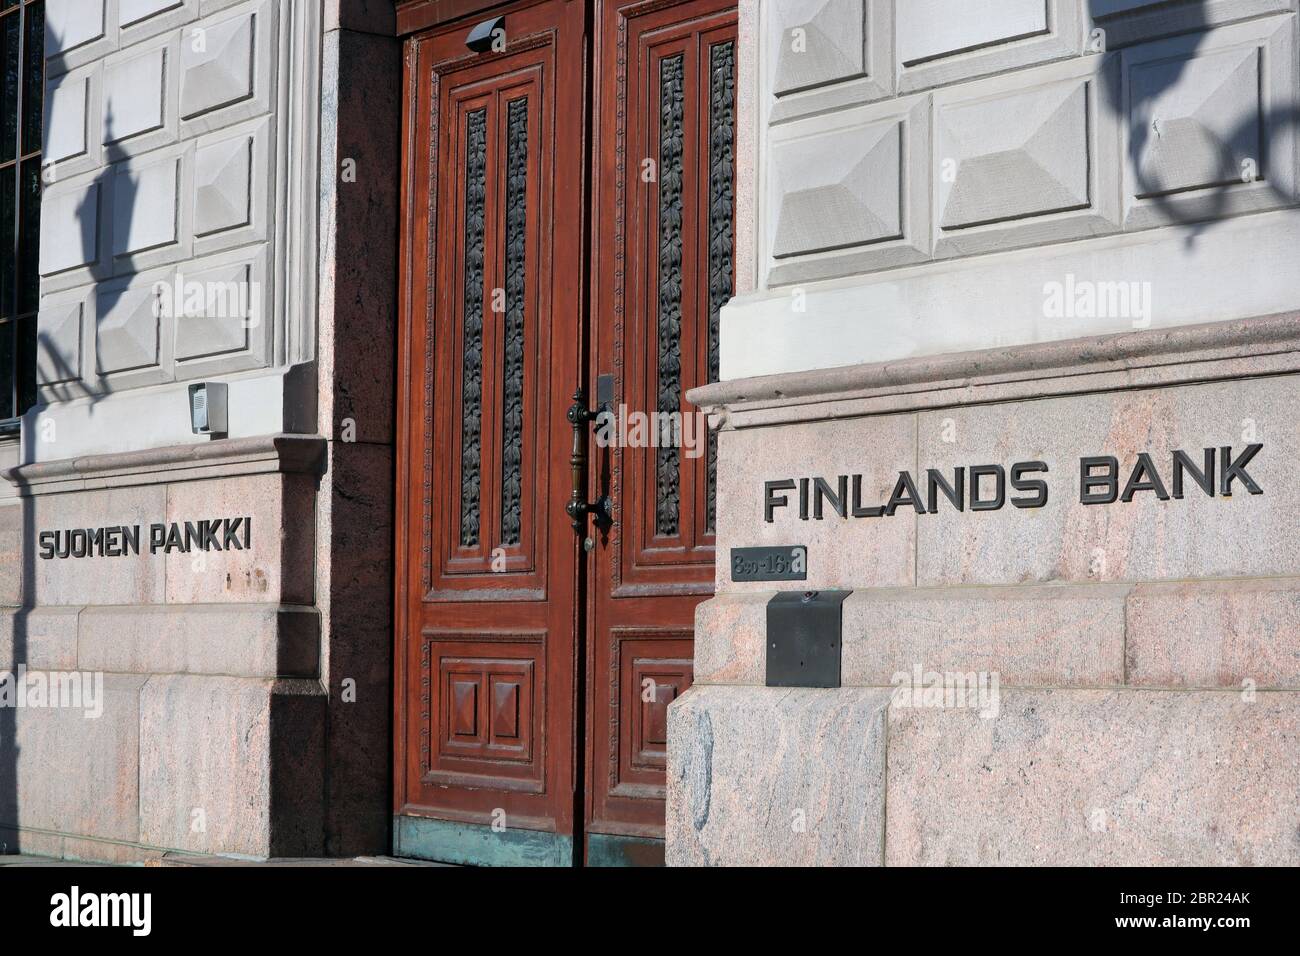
587, 152
662, 267
488, 622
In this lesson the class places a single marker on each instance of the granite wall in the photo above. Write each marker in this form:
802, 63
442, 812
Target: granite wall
1133, 666
980, 233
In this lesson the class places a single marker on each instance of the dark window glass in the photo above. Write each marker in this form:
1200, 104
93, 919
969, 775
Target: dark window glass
26, 369
33, 76
11, 33
29, 240
8, 209
7, 366
22, 88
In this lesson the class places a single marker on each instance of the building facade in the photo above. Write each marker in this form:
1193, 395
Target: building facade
614, 431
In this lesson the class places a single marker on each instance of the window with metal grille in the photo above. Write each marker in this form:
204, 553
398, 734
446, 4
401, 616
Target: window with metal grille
22, 56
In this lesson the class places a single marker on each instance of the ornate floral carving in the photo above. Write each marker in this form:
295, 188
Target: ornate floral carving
669, 398
426, 506
722, 175
512, 413
472, 363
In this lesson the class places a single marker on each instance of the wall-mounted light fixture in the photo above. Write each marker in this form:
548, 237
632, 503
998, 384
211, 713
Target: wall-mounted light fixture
482, 37
208, 408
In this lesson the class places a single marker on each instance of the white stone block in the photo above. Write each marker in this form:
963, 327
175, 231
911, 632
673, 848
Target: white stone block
837, 189
221, 325
1027, 159
135, 95
220, 73
1019, 155
58, 353
1196, 122
1210, 128
145, 206
222, 185
941, 42
847, 58
998, 300
72, 23
1126, 22
66, 104
933, 28
818, 41
127, 337
130, 12
847, 193
69, 228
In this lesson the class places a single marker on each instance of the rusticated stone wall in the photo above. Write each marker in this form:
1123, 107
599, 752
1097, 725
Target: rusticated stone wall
911, 174
180, 153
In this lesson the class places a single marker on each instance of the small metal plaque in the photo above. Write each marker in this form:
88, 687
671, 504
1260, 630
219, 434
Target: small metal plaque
804, 638
605, 391
789, 563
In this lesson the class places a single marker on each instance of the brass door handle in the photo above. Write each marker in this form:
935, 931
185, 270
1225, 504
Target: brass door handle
602, 509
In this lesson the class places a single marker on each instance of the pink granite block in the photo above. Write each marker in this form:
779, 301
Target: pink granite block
842, 552
729, 634
1215, 634
1145, 539
765, 776
1039, 636
1097, 778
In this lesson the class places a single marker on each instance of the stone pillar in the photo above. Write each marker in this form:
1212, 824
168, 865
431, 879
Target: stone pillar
361, 116
1136, 663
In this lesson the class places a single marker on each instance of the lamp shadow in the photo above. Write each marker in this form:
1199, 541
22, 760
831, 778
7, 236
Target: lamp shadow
60, 379
1241, 151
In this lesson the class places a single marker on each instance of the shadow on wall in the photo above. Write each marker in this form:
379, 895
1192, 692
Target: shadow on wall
1240, 154
62, 369
95, 203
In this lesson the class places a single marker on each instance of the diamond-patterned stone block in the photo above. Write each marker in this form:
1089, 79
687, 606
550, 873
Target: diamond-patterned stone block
838, 189
221, 185
1195, 122
1020, 155
128, 329
821, 41
144, 206
58, 343
220, 71
134, 95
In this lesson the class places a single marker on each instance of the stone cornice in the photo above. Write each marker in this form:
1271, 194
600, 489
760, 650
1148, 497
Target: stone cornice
1259, 346
191, 462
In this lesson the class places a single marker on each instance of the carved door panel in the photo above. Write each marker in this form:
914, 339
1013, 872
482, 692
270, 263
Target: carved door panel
533, 677
662, 267
488, 618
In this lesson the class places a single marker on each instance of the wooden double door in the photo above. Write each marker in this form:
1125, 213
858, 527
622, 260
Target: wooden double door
568, 228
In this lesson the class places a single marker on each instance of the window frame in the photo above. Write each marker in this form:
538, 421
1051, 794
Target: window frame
18, 314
